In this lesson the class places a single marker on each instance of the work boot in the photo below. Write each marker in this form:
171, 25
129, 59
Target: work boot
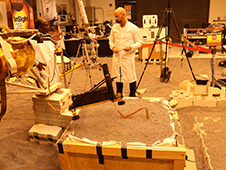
132, 87
119, 88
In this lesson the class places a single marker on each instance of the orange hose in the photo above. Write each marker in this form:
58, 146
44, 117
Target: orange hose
126, 116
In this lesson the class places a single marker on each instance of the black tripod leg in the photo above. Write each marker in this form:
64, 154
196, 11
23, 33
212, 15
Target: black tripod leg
161, 25
145, 67
156, 40
182, 43
164, 73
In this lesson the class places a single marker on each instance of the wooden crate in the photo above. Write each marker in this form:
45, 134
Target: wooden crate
76, 155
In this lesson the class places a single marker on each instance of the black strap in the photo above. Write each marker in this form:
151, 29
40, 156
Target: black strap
60, 147
149, 153
124, 151
99, 153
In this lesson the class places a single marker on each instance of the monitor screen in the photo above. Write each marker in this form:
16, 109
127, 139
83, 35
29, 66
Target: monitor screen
69, 28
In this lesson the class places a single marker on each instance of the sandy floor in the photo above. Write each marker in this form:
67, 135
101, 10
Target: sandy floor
18, 153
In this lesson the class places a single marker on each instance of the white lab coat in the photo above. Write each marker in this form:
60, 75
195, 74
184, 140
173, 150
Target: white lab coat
45, 53
123, 64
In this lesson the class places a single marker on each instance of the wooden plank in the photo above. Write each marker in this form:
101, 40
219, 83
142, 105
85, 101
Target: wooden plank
116, 163
63, 156
84, 161
157, 153
64, 161
79, 147
83, 155
136, 152
112, 150
178, 165
169, 153
90, 162
23, 91
22, 85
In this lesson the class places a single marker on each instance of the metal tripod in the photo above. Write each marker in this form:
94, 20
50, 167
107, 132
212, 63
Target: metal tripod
86, 58
85, 54
82, 45
165, 73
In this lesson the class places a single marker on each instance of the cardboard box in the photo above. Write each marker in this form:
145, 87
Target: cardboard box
145, 52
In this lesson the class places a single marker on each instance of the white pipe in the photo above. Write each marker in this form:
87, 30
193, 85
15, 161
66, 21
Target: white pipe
82, 12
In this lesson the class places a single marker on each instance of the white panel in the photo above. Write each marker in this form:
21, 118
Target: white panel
149, 34
108, 6
150, 21
217, 10
3, 15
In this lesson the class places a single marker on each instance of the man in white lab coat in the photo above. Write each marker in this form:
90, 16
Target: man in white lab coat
45, 54
124, 40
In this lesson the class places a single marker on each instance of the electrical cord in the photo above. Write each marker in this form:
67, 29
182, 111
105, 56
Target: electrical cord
126, 116
62, 109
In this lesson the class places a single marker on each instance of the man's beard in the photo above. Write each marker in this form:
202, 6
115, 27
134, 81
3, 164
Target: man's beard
118, 21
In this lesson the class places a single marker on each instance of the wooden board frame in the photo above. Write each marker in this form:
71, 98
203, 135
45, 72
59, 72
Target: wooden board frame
79, 155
